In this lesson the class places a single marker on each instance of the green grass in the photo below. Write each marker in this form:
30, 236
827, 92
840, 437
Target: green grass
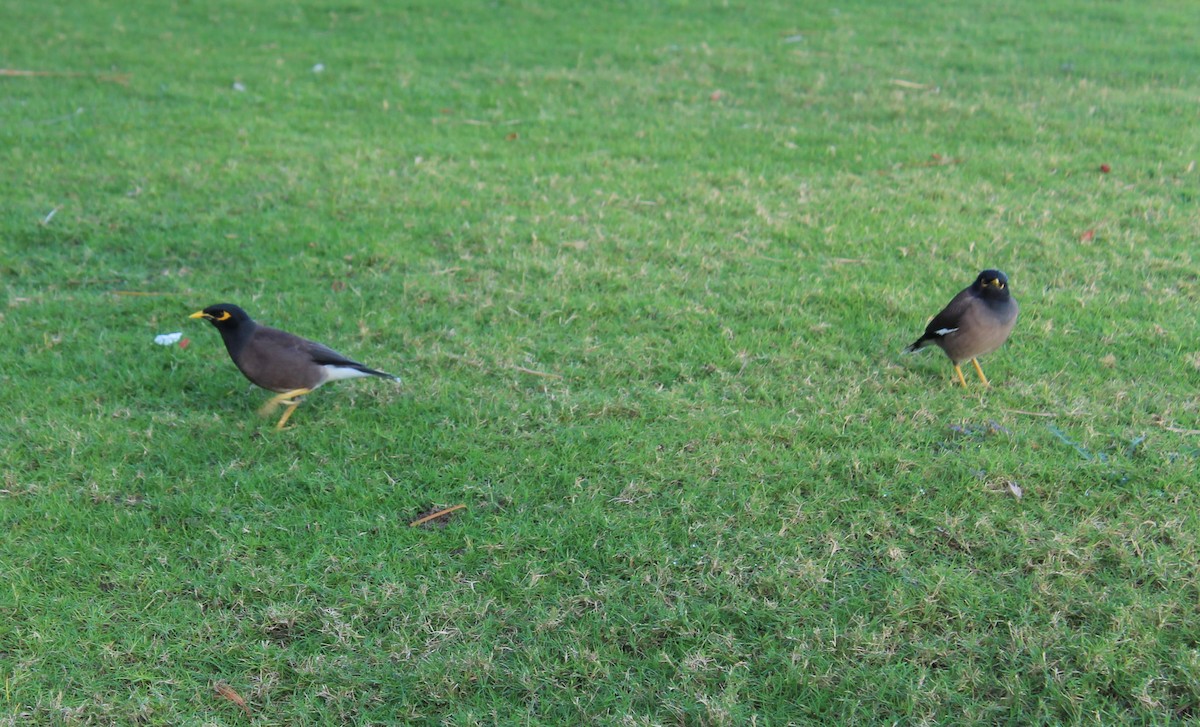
646, 269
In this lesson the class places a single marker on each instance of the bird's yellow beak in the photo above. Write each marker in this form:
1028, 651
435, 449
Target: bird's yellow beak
995, 283
224, 316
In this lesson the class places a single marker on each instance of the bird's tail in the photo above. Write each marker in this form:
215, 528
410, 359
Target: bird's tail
375, 372
383, 375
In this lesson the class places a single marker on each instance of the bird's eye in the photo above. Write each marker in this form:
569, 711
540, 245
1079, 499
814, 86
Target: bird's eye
224, 316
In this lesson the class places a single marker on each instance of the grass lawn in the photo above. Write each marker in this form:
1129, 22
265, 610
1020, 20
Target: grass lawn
646, 269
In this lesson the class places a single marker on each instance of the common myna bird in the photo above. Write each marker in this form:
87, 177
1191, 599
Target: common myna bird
977, 321
280, 361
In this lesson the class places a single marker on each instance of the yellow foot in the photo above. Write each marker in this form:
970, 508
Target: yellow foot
286, 415
980, 372
286, 397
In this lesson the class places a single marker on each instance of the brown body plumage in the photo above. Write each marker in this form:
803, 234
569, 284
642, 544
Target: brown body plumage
976, 322
280, 361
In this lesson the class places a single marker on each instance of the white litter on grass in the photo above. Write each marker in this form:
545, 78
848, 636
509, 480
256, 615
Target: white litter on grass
168, 339
319, 68
239, 86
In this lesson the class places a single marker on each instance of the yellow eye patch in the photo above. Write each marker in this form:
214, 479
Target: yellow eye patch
224, 316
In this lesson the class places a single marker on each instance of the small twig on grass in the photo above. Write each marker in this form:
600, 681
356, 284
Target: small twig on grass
514, 367
1179, 430
435, 515
1031, 413
909, 84
121, 78
531, 372
50, 215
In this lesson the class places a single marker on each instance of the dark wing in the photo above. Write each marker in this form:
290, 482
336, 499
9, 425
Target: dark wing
326, 356
947, 321
292, 358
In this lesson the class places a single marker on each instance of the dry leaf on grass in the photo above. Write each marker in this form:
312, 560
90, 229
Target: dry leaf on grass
226, 691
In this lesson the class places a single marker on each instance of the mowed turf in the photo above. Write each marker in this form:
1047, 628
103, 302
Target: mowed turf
646, 270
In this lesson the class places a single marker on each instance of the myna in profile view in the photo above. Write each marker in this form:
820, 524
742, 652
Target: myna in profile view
976, 322
279, 361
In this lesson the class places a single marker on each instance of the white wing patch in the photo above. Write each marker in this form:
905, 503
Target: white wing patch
336, 373
945, 331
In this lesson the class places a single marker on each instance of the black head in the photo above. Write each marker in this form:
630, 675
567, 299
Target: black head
225, 316
992, 285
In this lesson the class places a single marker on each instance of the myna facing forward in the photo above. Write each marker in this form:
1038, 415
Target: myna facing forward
279, 361
976, 322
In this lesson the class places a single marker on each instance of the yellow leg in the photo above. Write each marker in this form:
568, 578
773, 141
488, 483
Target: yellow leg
288, 398
980, 372
286, 415
284, 398
958, 371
